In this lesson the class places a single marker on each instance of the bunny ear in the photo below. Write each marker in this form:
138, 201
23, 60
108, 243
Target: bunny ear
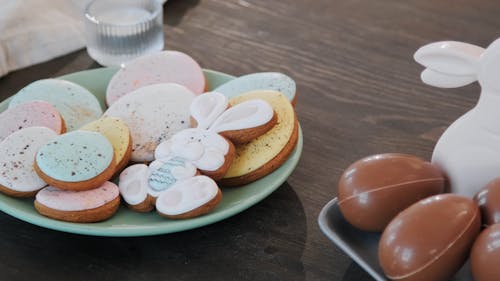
246, 115
450, 58
207, 107
438, 79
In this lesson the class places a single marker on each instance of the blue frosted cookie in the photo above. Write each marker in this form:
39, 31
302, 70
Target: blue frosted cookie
274, 81
79, 160
76, 104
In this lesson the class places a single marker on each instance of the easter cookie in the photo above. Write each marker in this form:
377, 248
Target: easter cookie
133, 186
76, 104
17, 175
140, 185
30, 114
274, 81
209, 146
164, 67
79, 206
153, 114
78, 160
266, 153
189, 198
118, 134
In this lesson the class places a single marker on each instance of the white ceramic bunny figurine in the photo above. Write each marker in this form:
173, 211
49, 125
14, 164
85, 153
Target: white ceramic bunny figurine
469, 150
172, 183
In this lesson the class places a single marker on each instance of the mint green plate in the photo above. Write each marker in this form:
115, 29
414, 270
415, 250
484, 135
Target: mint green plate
129, 223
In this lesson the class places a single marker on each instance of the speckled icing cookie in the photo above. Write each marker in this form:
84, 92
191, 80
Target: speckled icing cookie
79, 160
164, 67
17, 175
79, 206
76, 104
274, 81
153, 114
266, 153
189, 198
118, 134
30, 114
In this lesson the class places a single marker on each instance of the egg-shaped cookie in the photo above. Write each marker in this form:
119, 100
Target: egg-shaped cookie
163, 67
17, 174
30, 114
267, 152
153, 114
118, 134
93, 205
78, 160
274, 81
76, 104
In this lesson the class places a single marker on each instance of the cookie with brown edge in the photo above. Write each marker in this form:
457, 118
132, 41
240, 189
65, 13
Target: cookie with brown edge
268, 152
78, 160
30, 114
92, 205
118, 134
18, 177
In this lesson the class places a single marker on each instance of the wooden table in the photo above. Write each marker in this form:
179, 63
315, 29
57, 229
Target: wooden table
359, 94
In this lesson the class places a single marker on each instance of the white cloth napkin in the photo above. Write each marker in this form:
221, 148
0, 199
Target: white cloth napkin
34, 31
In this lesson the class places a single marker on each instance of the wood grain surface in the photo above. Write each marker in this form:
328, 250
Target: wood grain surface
359, 94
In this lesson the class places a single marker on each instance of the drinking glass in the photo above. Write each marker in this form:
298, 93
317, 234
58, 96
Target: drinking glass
118, 31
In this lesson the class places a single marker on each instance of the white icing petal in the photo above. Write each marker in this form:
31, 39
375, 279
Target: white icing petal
207, 107
187, 195
249, 114
190, 150
215, 141
134, 184
163, 150
64, 200
192, 143
211, 160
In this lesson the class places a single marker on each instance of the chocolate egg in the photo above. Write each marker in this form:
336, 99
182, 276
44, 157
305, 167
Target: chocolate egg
375, 189
485, 255
429, 240
488, 200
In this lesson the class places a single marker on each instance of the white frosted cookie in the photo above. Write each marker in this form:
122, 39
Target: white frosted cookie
133, 186
17, 175
140, 185
153, 114
76, 104
79, 206
189, 198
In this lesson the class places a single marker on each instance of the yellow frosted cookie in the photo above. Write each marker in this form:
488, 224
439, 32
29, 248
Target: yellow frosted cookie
266, 153
118, 134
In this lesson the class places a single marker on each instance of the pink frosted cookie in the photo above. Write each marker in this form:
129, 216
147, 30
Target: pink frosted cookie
79, 206
164, 67
153, 114
30, 114
17, 175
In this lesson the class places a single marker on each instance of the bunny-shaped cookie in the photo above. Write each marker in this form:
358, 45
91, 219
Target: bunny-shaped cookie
173, 182
469, 150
